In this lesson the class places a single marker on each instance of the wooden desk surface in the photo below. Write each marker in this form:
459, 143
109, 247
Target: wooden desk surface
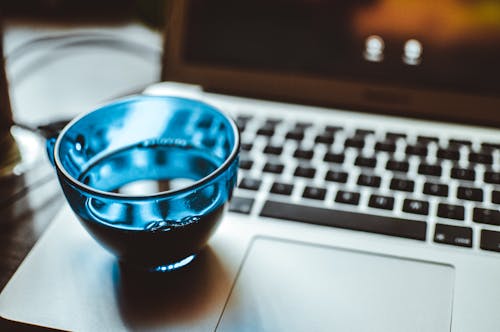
46, 87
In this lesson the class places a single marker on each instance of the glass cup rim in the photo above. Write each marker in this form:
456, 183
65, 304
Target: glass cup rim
162, 194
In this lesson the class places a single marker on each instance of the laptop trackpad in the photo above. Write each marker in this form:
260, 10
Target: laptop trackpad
288, 286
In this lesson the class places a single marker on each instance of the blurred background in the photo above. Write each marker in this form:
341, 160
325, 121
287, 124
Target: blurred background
149, 11
63, 57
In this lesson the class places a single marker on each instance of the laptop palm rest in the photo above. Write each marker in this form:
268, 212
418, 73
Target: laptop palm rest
303, 287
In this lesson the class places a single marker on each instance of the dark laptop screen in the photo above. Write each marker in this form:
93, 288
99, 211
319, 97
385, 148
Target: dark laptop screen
452, 45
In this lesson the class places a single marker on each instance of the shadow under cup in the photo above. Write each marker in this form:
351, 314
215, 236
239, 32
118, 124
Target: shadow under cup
119, 167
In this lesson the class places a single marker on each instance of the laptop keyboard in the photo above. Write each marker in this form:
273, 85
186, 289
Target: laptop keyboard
392, 183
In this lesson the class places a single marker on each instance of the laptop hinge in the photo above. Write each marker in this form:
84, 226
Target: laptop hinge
177, 89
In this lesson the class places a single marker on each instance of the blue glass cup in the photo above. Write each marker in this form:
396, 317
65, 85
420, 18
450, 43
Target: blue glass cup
180, 155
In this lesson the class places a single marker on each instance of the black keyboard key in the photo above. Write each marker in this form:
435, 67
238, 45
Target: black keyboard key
347, 197
324, 138
470, 194
337, 158
303, 125
486, 216
369, 180
314, 193
492, 177
450, 154
416, 150
357, 143
416, 207
495, 196
243, 118
490, 146
402, 185
242, 121
365, 162
276, 168
246, 164
385, 146
427, 169
363, 132
266, 131
450, 211
272, 122
459, 142
282, 188
355, 221
336, 176
241, 126
427, 139
463, 174
303, 154
332, 129
246, 146
305, 172
250, 184
490, 240
481, 158
398, 166
391, 136
454, 235
273, 149
436, 189
296, 134
381, 202
241, 205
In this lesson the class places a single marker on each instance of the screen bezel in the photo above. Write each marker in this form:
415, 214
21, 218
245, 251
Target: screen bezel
330, 92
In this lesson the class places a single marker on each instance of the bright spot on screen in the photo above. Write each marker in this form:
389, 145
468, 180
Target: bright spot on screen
374, 48
412, 52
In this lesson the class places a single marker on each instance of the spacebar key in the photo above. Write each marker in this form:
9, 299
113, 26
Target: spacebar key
410, 229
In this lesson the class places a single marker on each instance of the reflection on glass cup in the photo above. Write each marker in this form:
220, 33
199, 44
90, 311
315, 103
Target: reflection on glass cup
148, 176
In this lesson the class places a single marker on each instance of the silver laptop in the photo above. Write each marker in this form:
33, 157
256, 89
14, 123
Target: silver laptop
369, 190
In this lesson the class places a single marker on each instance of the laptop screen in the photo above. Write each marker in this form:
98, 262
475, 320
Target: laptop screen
445, 46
